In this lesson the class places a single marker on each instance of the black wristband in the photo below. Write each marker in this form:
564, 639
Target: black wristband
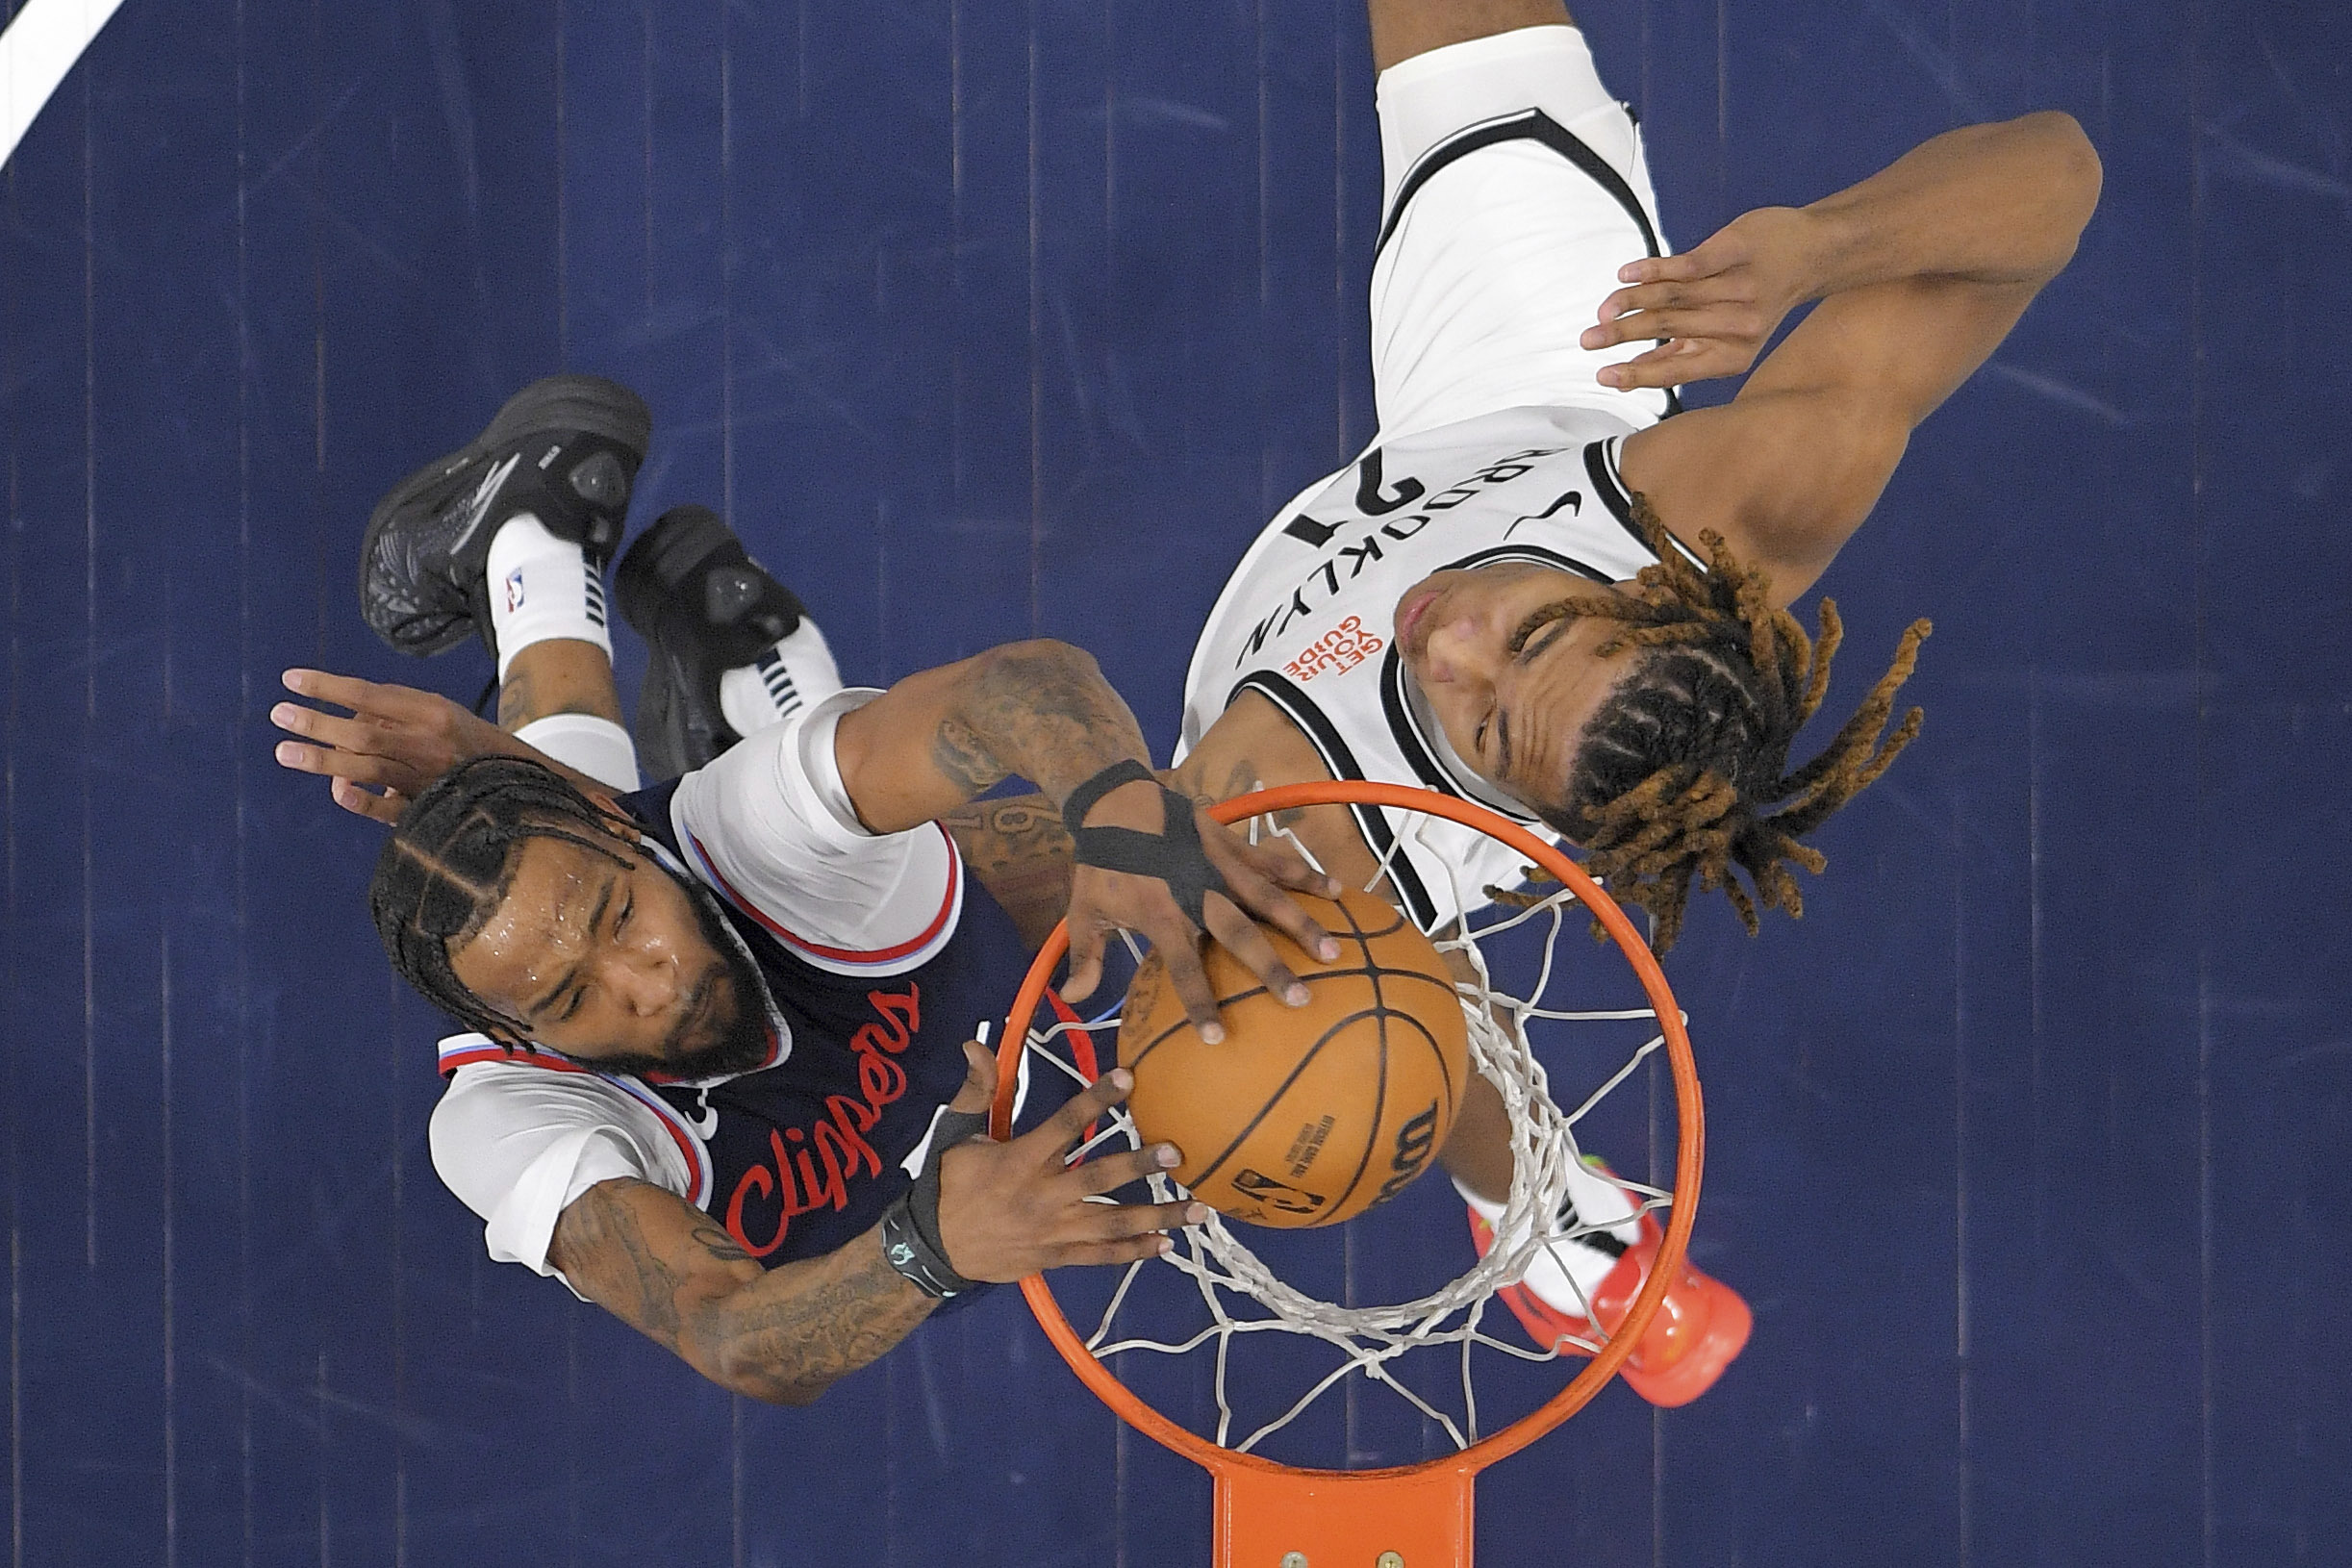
911, 1243
905, 1248
1081, 800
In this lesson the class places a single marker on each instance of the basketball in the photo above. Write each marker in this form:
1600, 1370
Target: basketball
1304, 1116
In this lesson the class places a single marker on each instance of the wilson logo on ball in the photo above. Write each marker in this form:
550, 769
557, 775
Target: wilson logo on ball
1354, 1092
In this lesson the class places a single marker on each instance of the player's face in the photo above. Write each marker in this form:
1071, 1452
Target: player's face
611, 960
1512, 701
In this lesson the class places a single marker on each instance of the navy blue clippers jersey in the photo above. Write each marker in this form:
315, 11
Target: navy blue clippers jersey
798, 1158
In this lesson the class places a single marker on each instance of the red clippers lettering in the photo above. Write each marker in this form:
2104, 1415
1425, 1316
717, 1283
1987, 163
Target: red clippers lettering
823, 1160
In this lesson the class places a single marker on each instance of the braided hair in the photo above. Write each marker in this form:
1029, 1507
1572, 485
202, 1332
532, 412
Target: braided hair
1683, 774
451, 859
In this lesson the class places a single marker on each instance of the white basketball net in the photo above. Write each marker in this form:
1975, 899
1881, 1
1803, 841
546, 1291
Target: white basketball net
1243, 1296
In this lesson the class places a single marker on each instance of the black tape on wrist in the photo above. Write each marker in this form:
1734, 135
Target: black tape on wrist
1084, 798
911, 1243
1173, 855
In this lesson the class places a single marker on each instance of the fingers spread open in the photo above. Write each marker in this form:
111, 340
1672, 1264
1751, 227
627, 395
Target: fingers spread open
1257, 894
360, 769
1671, 365
350, 734
383, 808
1113, 1171
1281, 864
1182, 959
1112, 1222
344, 691
1067, 1126
1242, 937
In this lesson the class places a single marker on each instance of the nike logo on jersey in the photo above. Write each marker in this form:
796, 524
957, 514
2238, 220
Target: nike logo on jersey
1574, 501
478, 506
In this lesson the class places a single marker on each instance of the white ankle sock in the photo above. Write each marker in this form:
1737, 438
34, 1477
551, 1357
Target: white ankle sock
1566, 1274
541, 588
596, 747
798, 673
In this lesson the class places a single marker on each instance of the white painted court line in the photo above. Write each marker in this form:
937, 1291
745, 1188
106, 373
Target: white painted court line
40, 46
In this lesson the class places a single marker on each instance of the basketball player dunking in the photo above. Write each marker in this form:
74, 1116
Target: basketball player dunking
1537, 592
1480, 605
717, 1074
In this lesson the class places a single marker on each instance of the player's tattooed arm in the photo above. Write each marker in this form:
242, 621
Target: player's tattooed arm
1020, 851
782, 1335
1040, 710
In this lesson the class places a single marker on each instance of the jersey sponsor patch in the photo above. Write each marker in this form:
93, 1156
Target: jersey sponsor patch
1340, 649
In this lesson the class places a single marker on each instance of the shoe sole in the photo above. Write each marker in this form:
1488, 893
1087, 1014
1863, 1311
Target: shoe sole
558, 404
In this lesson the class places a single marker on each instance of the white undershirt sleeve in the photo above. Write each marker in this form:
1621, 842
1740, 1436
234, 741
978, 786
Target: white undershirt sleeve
517, 1144
771, 824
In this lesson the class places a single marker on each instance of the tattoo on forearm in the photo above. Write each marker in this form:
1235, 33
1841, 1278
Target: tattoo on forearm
1047, 715
1021, 853
604, 1249
787, 1333
960, 755
719, 1244
816, 1334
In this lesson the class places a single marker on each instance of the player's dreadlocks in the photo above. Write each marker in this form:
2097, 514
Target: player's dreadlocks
451, 861
1677, 775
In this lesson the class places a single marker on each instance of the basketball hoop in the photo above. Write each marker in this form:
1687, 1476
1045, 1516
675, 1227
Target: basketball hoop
1273, 1515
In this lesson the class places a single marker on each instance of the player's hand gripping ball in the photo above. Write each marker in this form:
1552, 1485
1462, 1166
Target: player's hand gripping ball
1304, 1116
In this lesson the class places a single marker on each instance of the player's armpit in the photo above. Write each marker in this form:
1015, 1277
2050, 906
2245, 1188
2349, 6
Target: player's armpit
782, 1335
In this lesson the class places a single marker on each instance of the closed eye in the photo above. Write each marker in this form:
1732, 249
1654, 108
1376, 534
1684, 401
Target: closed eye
1526, 651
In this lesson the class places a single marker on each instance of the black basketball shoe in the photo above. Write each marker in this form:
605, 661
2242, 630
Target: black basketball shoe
564, 449
704, 607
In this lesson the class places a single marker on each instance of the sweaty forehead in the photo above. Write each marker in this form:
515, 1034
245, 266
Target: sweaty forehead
540, 923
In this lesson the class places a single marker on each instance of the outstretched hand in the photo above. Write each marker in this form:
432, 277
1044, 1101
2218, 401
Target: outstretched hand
1710, 309
1008, 1210
1255, 877
397, 741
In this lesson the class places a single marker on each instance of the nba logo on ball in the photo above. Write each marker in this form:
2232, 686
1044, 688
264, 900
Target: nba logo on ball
513, 591
1304, 1116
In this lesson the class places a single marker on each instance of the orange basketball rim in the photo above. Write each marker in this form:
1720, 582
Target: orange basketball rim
1271, 1515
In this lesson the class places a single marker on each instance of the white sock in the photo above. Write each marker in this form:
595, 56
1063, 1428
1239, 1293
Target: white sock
596, 747
1565, 1274
541, 588
798, 673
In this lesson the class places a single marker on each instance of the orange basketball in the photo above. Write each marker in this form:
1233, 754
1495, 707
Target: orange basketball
1304, 1116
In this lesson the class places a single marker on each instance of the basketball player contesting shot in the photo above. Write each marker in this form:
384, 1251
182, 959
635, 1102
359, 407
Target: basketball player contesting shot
717, 1022
1480, 603
1535, 590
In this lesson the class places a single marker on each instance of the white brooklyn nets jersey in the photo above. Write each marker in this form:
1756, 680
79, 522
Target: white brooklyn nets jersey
1307, 618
